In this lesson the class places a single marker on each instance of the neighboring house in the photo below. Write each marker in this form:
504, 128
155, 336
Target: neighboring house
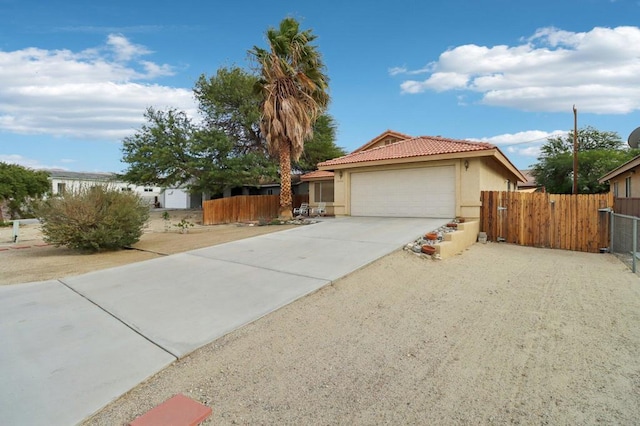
179, 198
62, 181
398, 175
268, 188
624, 181
530, 184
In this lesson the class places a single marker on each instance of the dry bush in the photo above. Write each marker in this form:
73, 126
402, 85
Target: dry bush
93, 218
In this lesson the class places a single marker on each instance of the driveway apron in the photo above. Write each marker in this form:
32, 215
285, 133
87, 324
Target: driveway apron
72, 346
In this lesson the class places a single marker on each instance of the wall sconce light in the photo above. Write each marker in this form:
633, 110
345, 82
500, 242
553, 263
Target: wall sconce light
340, 174
466, 164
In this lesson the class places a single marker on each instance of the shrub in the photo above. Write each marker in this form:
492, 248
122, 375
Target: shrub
93, 218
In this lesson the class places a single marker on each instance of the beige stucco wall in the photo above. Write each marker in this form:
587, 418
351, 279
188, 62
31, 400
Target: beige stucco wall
482, 174
635, 184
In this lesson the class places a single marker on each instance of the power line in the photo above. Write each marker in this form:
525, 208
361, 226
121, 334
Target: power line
526, 142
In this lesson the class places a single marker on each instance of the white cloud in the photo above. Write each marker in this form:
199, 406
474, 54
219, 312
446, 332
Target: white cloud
528, 136
123, 49
98, 93
397, 70
526, 143
26, 162
599, 71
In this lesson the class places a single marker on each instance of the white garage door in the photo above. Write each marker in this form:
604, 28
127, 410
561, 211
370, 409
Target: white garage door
423, 192
175, 199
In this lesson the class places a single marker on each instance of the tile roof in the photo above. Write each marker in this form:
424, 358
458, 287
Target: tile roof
387, 133
317, 174
421, 146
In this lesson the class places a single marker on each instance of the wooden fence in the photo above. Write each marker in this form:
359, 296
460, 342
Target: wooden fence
570, 222
628, 206
245, 208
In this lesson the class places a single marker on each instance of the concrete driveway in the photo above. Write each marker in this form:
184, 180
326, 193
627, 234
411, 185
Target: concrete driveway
71, 346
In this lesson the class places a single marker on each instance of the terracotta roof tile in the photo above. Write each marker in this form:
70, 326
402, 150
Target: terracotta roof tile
317, 174
421, 146
385, 134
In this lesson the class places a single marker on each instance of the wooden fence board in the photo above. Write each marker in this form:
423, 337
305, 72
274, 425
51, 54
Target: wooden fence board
570, 222
628, 206
244, 208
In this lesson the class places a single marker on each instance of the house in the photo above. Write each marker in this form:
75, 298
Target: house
398, 175
624, 181
530, 185
179, 198
267, 187
62, 181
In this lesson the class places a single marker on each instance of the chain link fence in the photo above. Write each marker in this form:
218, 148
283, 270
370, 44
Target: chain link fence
624, 241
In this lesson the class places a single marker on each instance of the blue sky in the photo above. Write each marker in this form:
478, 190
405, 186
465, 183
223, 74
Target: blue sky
76, 76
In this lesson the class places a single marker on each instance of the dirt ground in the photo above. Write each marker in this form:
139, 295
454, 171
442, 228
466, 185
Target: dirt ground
30, 259
501, 334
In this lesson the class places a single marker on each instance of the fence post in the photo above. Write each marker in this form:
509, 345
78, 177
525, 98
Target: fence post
635, 243
16, 230
612, 214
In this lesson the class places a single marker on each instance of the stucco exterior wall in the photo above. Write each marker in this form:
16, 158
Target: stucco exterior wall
469, 188
493, 178
621, 180
482, 174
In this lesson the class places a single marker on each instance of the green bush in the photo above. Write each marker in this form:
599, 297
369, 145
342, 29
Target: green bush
93, 218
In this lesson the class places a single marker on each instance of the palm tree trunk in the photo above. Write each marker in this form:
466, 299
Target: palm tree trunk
286, 199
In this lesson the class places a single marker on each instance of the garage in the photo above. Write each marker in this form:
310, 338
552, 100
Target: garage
416, 192
175, 198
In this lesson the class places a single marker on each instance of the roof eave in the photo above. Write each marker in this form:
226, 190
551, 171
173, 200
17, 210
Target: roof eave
633, 163
491, 152
405, 160
509, 165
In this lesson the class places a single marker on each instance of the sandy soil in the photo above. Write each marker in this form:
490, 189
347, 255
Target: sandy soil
501, 334
30, 259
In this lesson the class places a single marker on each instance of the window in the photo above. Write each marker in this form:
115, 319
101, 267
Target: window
323, 192
124, 188
269, 191
615, 189
148, 190
62, 187
627, 187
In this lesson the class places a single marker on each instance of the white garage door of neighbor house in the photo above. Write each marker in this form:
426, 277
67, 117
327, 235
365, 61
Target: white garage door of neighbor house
175, 199
423, 192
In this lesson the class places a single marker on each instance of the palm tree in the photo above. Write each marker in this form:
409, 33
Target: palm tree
293, 85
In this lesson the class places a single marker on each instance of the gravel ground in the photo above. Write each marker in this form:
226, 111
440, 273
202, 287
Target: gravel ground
501, 334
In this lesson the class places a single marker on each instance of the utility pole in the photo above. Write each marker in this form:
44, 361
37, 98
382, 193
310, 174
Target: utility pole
575, 150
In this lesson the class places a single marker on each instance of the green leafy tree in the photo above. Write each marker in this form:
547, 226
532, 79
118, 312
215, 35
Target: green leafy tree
225, 150
17, 186
321, 146
598, 153
294, 89
170, 150
228, 101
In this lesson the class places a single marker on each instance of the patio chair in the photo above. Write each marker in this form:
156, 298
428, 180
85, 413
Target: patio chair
321, 210
303, 210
